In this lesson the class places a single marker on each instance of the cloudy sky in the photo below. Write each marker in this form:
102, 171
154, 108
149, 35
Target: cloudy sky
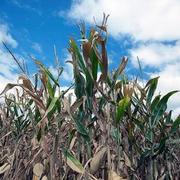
147, 29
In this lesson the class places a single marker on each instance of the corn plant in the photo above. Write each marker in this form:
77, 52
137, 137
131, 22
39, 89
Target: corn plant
115, 128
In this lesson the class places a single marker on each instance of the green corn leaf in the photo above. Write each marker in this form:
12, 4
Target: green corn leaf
79, 85
80, 62
76, 52
81, 128
175, 125
52, 77
50, 89
58, 105
37, 116
161, 146
94, 60
50, 114
51, 106
122, 106
89, 86
15, 110
155, 102
168, 118
160, 108
39, 134
151, 88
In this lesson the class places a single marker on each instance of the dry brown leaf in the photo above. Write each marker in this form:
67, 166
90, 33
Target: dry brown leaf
8, 87
128, 90
38, 169
73, 163
4, 168
72, 143
66, 105
127, 160
97, 160
35, 143
74, 166
114, 176
86, 50
26, 82
76, 105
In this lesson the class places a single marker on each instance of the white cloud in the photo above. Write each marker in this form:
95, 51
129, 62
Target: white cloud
144, 20
7, 64
6, 37
68, 72
156, 54
37, 47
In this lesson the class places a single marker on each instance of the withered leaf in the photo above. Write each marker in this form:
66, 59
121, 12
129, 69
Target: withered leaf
97, 160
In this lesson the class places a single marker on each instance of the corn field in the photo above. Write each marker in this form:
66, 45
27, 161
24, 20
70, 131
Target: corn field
114, 129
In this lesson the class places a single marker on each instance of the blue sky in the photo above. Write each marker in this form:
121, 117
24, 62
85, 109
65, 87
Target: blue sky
149, 30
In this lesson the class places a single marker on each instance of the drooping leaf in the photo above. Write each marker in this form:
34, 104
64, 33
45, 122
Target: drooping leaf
8, 87
46, 71
26, 82
160, 108
72, 162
